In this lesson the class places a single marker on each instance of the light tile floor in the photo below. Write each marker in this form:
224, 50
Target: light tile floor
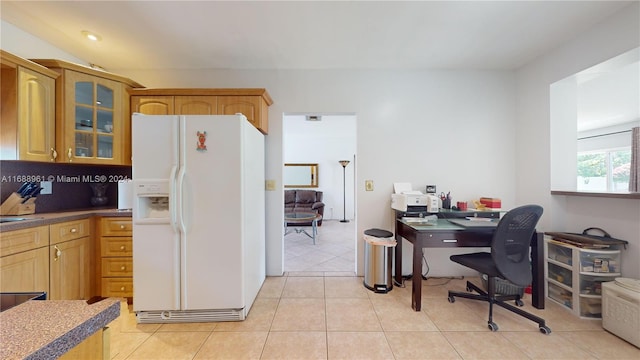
321, 310
334, 250
334, 317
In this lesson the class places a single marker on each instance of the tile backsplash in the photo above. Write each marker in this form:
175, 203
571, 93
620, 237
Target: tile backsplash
70, 183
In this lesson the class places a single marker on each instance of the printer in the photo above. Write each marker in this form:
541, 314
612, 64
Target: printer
412, 201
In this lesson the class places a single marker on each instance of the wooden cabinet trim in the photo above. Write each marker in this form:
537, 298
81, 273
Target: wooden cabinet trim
56, 65
204, 91
14, 61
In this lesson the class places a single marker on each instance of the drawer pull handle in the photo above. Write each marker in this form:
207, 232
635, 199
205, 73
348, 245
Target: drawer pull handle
122, 247
122, 268
122, 227
74, 230
122, 288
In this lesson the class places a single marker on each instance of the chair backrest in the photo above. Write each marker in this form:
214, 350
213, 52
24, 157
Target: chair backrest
511, 242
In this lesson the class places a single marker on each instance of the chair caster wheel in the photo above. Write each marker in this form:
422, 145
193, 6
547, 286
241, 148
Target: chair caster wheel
545, 330
493, 326
519, 302
451, 299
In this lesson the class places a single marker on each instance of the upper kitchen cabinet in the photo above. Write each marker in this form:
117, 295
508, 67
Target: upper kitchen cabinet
27, 110
92, 114
252, 103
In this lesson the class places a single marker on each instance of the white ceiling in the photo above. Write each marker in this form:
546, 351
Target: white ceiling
308, 34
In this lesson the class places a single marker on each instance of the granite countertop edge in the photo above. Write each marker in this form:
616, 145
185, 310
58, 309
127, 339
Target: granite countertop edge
33, 331
57, 217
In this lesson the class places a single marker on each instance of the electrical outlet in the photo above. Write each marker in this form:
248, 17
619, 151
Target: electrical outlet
46, 187
368, 185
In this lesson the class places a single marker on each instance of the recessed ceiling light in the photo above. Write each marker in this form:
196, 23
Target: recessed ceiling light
91, 36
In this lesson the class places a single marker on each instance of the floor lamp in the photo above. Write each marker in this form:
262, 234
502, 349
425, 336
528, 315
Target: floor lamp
344, 164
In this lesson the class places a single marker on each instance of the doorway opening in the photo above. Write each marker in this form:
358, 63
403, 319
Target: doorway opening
326, 141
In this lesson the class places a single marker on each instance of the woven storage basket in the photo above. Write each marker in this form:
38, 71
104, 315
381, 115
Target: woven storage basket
503, 287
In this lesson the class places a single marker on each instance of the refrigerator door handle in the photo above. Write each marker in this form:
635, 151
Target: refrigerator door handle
181, 224
173, 199
181, 175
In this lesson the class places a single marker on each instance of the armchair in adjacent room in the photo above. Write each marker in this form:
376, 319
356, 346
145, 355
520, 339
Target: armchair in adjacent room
304, 200
508, 260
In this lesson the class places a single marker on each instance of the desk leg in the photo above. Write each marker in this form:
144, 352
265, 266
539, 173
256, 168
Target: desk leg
416, 280
537, 270
398, 259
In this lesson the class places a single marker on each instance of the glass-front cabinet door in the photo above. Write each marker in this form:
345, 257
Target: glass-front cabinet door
93, 118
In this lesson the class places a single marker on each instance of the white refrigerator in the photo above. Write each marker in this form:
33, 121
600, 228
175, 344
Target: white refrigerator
198, 217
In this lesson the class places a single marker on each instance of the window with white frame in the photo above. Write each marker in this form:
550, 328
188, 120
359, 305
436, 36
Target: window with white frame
604, 170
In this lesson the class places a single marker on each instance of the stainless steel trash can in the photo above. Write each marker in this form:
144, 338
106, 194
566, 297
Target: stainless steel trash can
378, 252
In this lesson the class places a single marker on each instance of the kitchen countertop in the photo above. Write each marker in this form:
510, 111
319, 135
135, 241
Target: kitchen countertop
46, 329
52, 218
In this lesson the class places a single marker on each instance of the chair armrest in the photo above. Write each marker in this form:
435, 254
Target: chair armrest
317, 205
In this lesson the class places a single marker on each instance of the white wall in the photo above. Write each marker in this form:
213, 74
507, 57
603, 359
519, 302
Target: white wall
324, 143
620, 217
454, 129
23, 44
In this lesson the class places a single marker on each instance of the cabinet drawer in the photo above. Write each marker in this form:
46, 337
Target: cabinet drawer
69, 230
118, 226
116, 246
12, 242
117, 287
117, 267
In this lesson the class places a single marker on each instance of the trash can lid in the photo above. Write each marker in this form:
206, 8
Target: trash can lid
379, 233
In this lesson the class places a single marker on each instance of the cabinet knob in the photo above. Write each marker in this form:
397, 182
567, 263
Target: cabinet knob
122, 247
70, 154
122, 288
122, 227
73, 230
123, 268
54, 154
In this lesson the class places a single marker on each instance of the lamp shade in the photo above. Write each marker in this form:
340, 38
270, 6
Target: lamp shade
344, 163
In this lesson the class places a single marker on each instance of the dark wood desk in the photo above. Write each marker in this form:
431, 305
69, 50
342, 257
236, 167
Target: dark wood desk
446, 234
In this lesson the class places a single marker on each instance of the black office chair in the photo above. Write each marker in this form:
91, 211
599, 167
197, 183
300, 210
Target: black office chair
509, 259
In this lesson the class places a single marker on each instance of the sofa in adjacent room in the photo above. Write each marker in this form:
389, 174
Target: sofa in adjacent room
304, 200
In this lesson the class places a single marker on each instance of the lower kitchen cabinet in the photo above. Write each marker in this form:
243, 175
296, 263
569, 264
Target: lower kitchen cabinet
24, 265
115, 257
70, 274
25, 272
70, 260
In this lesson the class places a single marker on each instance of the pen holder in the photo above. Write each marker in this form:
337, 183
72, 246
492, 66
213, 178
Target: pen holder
13, 206
446, 204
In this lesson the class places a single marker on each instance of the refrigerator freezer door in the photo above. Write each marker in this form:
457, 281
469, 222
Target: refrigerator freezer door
156, 246
212, 246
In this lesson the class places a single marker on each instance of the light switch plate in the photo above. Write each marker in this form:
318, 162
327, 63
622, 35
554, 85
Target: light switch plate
270, 185
368, 185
